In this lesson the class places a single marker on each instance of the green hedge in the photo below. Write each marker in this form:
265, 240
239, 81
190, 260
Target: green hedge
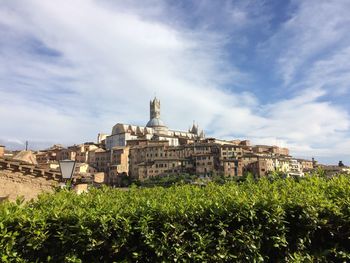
279, 221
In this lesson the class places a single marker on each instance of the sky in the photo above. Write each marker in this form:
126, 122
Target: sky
274, 72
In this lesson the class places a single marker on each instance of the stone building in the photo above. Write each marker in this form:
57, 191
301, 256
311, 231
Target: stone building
82, 168
2, 151
295, 168
152, 158
264, 165
119, 166
258, 168
49, 155
100, 159
232, 167
83, 150
270, 150
120, 159
306, 165
142, 152
154, 129
101, 138
157, 158
69, 153
42, 157
230, 157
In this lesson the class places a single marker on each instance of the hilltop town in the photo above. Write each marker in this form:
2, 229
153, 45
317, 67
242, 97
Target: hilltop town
143, 152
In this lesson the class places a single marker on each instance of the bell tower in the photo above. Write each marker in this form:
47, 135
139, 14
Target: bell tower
154, 112
155, 109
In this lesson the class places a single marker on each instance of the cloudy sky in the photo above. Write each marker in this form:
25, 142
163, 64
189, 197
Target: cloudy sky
275, 72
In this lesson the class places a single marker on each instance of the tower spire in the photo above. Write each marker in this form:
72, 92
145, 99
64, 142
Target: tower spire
155, 109
154, 113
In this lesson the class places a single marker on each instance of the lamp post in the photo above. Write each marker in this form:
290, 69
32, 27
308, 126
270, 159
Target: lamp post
67, 169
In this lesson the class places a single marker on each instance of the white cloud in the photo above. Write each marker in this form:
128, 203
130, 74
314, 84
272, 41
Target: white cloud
113, 61
315, 29
116, 60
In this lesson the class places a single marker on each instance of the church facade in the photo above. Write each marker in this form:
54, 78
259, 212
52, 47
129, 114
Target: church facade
155, 129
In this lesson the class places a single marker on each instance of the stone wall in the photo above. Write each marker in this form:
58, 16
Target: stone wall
14, 184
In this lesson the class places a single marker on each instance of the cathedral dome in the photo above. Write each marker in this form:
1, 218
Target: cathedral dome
155, 122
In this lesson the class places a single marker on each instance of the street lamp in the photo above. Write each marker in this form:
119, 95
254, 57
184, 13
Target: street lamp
67, 169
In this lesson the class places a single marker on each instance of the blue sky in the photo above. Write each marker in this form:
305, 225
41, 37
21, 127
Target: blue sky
275, 72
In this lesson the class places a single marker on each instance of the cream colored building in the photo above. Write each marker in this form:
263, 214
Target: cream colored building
282, 164
82, 168
119, 166
100, 159
295, 168
270, 150
101, 137
66, 154
155, 129
83, 151
2, 151
306, 165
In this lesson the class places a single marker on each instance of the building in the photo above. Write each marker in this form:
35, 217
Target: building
270, 150
157, 158
100, 159
82, 151
119, 166
42, 157
142, 152
232, 168
295, 168
82, 168
306, 165
155, 129
152, 158
2, 151
262, 165
69, 153
101, 138
258, 168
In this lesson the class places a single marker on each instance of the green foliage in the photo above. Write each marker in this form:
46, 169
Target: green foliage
280, 220
167, 181
278, 174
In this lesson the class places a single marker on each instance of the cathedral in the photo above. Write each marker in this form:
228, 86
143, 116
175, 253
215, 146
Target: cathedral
155, 129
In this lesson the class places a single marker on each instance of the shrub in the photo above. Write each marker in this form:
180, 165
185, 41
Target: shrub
282, 220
